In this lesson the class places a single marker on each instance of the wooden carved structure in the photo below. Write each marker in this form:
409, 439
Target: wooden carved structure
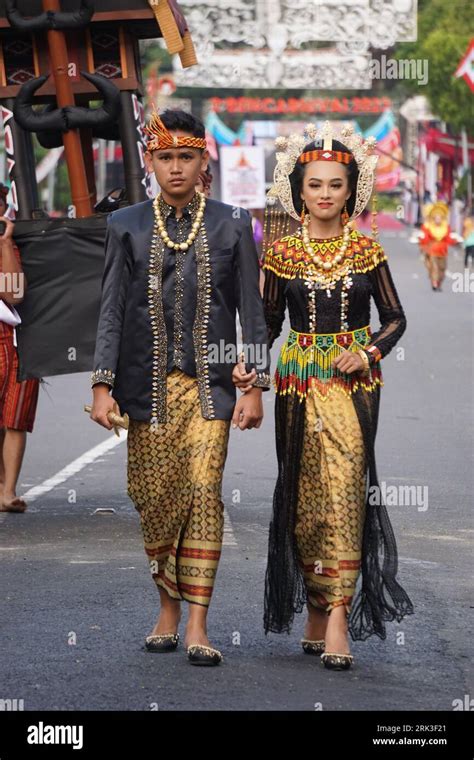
62, 57
56, 62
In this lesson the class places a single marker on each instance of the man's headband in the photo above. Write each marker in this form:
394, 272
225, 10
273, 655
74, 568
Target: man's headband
161, 138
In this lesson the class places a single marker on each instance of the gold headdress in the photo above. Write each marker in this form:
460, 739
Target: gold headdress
290, 150
430, 210
438, 207
161, 137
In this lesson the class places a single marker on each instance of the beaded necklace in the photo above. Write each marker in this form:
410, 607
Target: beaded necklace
323, 272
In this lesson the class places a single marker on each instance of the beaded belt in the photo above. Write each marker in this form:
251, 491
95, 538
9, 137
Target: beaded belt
305, 363
351, 341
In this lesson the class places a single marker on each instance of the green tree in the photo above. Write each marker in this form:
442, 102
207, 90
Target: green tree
444, 31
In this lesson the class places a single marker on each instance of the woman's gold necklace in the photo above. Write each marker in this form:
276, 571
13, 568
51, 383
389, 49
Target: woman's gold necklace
317, 260
323, 275
194, 229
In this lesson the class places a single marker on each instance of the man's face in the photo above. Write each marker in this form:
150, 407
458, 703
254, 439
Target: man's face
3, 206
177, 169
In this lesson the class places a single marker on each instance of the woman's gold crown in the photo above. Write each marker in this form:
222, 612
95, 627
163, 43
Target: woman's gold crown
290, 148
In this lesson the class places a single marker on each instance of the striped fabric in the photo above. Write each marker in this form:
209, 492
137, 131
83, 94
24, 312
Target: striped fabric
18, 400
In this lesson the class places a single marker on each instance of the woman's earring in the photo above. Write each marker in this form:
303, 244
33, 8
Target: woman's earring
303, 213
345, 215
374, 225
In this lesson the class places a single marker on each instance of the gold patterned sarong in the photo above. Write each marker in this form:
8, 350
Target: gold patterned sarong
174, 480
331, 501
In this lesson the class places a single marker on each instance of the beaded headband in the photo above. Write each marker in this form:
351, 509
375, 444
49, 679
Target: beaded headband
290, 151
161, 137
325, 155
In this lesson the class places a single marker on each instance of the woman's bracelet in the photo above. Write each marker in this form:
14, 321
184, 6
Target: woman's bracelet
365, 359
375, 354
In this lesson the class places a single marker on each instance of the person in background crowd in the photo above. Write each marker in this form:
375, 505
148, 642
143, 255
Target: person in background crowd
468, 239
203, 185
434, 240
18, 400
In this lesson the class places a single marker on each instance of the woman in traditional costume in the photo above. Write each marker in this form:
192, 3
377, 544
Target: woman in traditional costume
328, 520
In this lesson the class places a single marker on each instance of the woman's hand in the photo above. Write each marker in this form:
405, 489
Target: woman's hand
242, 379
348, 361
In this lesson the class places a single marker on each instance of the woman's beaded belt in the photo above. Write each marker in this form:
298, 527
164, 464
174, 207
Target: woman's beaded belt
305, 364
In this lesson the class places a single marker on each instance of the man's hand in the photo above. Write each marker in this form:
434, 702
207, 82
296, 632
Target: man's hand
348, 361
242, 379
102, 404
248, 411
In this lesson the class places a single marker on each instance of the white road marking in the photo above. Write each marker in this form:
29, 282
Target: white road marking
229, 537
437, 537
74, 467
422, 562
94, 455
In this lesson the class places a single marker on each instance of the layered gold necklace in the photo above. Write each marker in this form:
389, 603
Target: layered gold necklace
322, 273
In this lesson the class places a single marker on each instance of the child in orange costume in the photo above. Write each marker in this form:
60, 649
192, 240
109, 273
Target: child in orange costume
434, 240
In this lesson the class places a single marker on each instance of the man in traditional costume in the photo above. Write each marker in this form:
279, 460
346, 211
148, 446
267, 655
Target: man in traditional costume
176, 270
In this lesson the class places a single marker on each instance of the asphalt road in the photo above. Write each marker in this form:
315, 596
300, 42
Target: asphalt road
77, 599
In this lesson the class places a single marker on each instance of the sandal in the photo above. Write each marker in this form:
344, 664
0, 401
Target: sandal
198, 654
313, 647
162, 642
334, 661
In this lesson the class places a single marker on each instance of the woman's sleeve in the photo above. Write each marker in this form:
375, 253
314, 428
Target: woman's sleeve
274, 303
391, 314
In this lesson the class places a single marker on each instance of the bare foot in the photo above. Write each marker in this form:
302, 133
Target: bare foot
13, 504
316, 625
337, 640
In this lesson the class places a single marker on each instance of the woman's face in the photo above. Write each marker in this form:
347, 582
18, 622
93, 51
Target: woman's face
325, 189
